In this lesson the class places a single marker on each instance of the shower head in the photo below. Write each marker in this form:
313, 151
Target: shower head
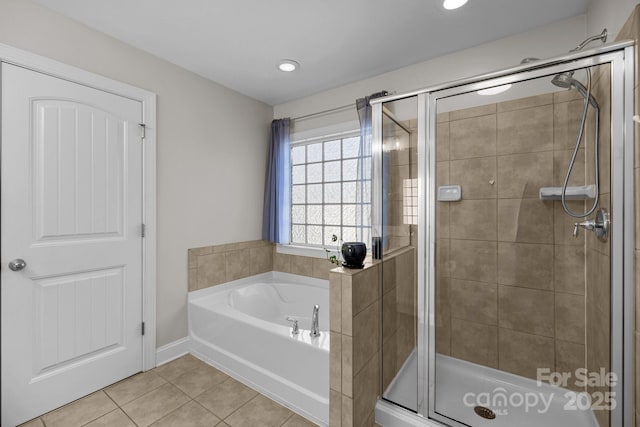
566, 81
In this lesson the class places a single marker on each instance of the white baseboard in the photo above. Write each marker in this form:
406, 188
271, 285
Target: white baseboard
171, 351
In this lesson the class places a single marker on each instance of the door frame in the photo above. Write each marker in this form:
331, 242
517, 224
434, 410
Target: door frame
34, 62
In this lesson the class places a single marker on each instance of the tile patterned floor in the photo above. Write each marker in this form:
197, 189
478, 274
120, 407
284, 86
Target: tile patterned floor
183, 393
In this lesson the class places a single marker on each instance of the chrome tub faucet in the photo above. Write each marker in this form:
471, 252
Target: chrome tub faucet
314, 322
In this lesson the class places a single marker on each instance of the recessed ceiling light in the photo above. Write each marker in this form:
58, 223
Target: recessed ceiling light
453, 4
288, 65
495, 90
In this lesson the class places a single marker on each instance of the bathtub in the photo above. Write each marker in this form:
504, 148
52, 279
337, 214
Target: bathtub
460, 385
240, 327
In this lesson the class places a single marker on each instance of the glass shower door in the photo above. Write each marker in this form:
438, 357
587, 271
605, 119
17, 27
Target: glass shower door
398, 189
521, 295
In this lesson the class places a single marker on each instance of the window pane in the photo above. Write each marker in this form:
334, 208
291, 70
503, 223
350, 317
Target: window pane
297, 174
366, 164
332, 193
332, 214
297, 194
314, 193
365, 195
314, 235
298, 214
314, 152
297, 155
314, 214
332, 150
314, 172
366, 235
350, 169
349, 234
349, 192
329, 231
298, 234
350, 147
332, 171
349, 214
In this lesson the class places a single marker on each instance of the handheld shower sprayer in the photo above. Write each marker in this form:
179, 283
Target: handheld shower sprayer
567, 81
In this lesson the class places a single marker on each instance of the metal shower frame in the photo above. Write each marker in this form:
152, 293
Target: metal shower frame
620, 56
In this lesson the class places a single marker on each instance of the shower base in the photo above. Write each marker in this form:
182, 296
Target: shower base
460, 385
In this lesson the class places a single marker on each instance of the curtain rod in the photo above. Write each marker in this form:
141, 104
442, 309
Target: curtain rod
320, 113
380, 94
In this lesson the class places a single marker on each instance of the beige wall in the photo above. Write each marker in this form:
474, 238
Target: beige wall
609, 14
204, 131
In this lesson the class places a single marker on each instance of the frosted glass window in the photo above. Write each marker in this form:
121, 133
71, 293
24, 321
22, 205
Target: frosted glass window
297, 194
314, 234
314, 193
314, 214
332, 193
298, 214
349, 234
350, 170
327, 191
297, 155
349, 214
332, 215
314, 152
329, 231
349, 192
298, 234
332, 171
297, 175
350, 147
314, 173
331, 150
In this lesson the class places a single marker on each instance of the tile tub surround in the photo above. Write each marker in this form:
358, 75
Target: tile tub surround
214, 265
510, 294
185, 392
358, 299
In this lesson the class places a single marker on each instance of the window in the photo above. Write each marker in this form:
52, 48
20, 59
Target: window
330, 191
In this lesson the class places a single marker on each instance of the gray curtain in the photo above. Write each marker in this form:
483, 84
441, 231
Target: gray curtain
276, 219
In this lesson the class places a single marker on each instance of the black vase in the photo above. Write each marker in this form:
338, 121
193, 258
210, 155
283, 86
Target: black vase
353, 254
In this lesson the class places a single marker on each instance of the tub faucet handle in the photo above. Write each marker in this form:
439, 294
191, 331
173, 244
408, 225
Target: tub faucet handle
294, 329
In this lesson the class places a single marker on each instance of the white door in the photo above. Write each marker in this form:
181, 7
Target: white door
71, 209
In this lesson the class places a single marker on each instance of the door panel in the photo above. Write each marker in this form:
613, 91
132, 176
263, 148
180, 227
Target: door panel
72, 209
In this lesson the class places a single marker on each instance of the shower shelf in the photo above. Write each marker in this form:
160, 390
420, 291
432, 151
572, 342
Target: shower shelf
583, 192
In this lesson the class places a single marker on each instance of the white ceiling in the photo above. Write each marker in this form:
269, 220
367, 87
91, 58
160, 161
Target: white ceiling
237, 43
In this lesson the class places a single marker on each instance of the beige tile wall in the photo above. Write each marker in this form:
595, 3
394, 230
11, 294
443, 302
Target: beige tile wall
510, 279
355, 345
399, 311
631, 30
358, 350
213, 265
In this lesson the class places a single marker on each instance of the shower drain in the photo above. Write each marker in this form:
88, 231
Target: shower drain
483, 412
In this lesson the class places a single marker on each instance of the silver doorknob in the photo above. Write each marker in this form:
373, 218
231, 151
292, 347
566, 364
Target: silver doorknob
17, 264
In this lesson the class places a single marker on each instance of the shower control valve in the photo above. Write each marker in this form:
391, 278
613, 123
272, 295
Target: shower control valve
587, 225
600, 225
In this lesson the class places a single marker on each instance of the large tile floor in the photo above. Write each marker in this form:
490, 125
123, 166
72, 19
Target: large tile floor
183, 393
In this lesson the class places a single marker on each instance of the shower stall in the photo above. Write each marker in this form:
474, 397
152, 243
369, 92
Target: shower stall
510, 199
